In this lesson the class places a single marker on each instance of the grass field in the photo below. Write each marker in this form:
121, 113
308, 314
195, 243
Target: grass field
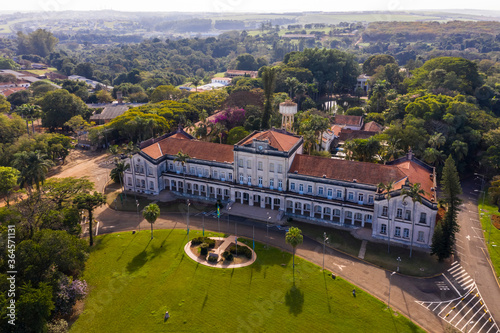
421, 264
133, 281
41, 71
494, 238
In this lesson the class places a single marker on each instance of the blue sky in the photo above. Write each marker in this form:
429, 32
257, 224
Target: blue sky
245, 5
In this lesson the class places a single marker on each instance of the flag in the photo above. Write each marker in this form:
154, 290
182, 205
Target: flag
218, 211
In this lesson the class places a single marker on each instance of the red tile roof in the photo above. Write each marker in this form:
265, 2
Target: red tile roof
348, 120
417, 174
348, 134
278, 140
9, 91
372, 127
195, 149
365, 173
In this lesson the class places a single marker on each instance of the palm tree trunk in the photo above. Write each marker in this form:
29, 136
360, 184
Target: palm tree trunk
151, 230
33, 125
90, 228
389, 227
412, 228
27, 126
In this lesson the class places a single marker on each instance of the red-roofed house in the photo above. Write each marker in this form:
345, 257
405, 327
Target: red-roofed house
268, 170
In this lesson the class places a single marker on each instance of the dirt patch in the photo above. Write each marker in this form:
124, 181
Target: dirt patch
496, 221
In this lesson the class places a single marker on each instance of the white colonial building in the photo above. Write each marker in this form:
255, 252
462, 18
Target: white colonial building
268, 170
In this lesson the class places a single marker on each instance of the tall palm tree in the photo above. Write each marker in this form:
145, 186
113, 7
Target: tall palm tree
33, 166
294, 238
392, 151
196, 81
29, 112
437, 140
387, 188
151, 213
90, 202
433, 156
117, 173
415, 193
182, 159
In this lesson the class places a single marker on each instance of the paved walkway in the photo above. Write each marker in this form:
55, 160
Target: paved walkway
220, 263
362, 250
260, 214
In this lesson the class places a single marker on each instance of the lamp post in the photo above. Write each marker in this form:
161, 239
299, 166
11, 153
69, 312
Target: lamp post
228, 209
325, 238
389, 300
203, 222
267, 231
137, 204
187, 217
236, 236
399, 261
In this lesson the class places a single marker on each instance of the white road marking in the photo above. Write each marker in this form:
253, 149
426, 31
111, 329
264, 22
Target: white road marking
444, 308
451, 284
472, 307
459, 272
454, 269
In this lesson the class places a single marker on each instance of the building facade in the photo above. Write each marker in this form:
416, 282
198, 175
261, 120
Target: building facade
268, 170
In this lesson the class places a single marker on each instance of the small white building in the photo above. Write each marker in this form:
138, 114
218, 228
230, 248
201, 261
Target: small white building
363, 82
222, 80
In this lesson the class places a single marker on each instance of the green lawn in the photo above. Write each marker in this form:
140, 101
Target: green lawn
421, 264
133, 281
494, 245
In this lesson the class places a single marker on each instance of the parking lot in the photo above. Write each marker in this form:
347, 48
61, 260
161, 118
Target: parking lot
467, 312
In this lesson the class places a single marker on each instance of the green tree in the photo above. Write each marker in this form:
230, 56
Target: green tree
103, 96
246, 62
33, 167
34, 306
166, 92
387, 188
117, 173
29, 112
41, 42
451, 190
415, 194
90, 202
269, 81
62, 191
151, 212
77, 123
210, 100
59, 106
6, 63
8, 181
182, 159
494, 191
376, 60
294, 238
4, 104
236, 134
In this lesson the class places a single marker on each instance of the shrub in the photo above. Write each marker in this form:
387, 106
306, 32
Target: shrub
227, 256
241, 250
199, 240
213, 257
204, 249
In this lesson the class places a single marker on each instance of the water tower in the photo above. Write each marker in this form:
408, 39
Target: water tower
288, 109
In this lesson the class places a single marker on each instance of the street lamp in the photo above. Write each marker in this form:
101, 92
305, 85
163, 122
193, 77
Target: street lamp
389, 301
236, 236
228, 209
325, 238
484, 195
267, 231
137, 204
187, 217
399, 261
